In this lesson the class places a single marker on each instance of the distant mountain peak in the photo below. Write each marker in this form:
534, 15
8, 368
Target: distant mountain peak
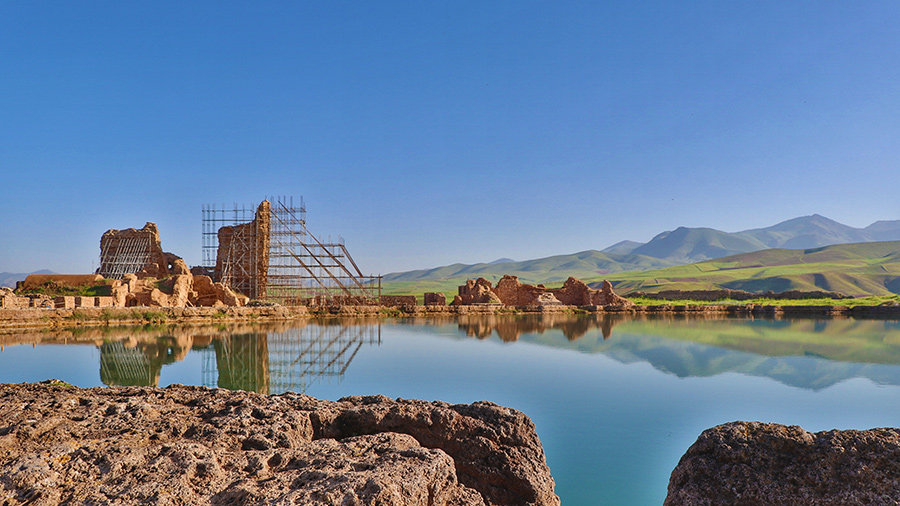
503, 260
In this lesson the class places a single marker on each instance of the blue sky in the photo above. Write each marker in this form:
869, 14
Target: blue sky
428, 133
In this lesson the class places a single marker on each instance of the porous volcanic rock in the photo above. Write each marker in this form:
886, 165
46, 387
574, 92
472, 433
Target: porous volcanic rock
749, 463
192, 445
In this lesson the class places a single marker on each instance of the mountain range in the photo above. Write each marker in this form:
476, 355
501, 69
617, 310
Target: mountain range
9, 278
671, 248
689, 245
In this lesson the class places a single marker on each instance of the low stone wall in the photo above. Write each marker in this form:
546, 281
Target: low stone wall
398, 300
59, 318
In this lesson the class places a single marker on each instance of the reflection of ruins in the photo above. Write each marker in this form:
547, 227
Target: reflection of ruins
285, 361
509, 328
287, 358
135, 362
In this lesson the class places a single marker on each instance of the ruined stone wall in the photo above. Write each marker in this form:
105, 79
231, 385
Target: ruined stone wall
398, 300
511, 292
242, 259
131, 251
435, 299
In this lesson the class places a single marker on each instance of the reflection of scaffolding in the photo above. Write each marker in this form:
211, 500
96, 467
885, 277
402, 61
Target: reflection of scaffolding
301, 268
124, 255
285, 361
123, 366
242, 362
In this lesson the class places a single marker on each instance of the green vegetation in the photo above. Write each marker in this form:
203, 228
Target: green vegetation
865, 269
53, 289
859, 301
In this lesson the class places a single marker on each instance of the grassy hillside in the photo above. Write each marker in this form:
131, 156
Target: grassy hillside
853, 269
687, 245
551, 270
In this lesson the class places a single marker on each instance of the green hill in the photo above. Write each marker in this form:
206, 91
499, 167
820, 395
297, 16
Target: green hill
688, 245
854, 269
551, 270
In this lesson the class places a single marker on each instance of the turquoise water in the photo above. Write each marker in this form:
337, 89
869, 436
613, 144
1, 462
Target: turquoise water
616, 402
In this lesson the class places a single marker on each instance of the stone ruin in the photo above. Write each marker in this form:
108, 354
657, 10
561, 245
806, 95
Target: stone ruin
242, 258
133, 250
135, 271
511, 292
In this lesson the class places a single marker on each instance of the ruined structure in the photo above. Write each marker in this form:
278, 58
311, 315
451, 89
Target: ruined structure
242, 257
511, 292
133, 250
270, 255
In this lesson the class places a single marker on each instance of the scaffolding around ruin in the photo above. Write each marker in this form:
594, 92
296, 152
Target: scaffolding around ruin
300, 269
123, 256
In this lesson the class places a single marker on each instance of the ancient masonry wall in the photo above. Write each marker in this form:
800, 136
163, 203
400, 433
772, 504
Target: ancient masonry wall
131, 251
242, 258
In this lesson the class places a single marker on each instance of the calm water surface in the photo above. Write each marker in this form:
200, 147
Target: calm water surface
616, 401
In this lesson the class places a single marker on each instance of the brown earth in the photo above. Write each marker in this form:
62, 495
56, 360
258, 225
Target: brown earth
192, 445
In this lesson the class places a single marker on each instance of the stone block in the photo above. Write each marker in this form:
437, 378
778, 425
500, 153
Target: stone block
105, 302
64, 302
85, 301
435, 299
398, 300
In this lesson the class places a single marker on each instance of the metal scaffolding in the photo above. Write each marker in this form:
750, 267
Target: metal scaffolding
124, 255
301, 269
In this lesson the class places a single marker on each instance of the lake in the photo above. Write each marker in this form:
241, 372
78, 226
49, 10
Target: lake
616, 400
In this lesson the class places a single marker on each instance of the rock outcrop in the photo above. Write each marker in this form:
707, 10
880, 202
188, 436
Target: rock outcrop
771, 464
511, 292
192, 445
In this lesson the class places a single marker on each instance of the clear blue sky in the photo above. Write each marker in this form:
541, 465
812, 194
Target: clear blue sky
428, 133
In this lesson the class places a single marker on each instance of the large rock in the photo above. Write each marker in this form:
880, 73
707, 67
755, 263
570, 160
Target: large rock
191, 445
749, 463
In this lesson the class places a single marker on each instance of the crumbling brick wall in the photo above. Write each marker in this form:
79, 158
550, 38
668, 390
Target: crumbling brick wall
242, 259
398, 300
132, 250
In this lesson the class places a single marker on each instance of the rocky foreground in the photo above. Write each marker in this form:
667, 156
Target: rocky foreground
750, 463
192, 445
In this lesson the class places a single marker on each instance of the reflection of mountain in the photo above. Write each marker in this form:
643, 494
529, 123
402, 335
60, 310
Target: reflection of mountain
807, 353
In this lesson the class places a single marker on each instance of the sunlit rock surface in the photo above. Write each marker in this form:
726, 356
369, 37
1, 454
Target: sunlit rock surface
750, 463
192, 445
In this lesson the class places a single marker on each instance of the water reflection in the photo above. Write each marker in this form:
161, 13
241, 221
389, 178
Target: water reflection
289, 360
272, 358
811, 353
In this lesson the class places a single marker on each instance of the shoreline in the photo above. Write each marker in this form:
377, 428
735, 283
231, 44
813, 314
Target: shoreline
35, 318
